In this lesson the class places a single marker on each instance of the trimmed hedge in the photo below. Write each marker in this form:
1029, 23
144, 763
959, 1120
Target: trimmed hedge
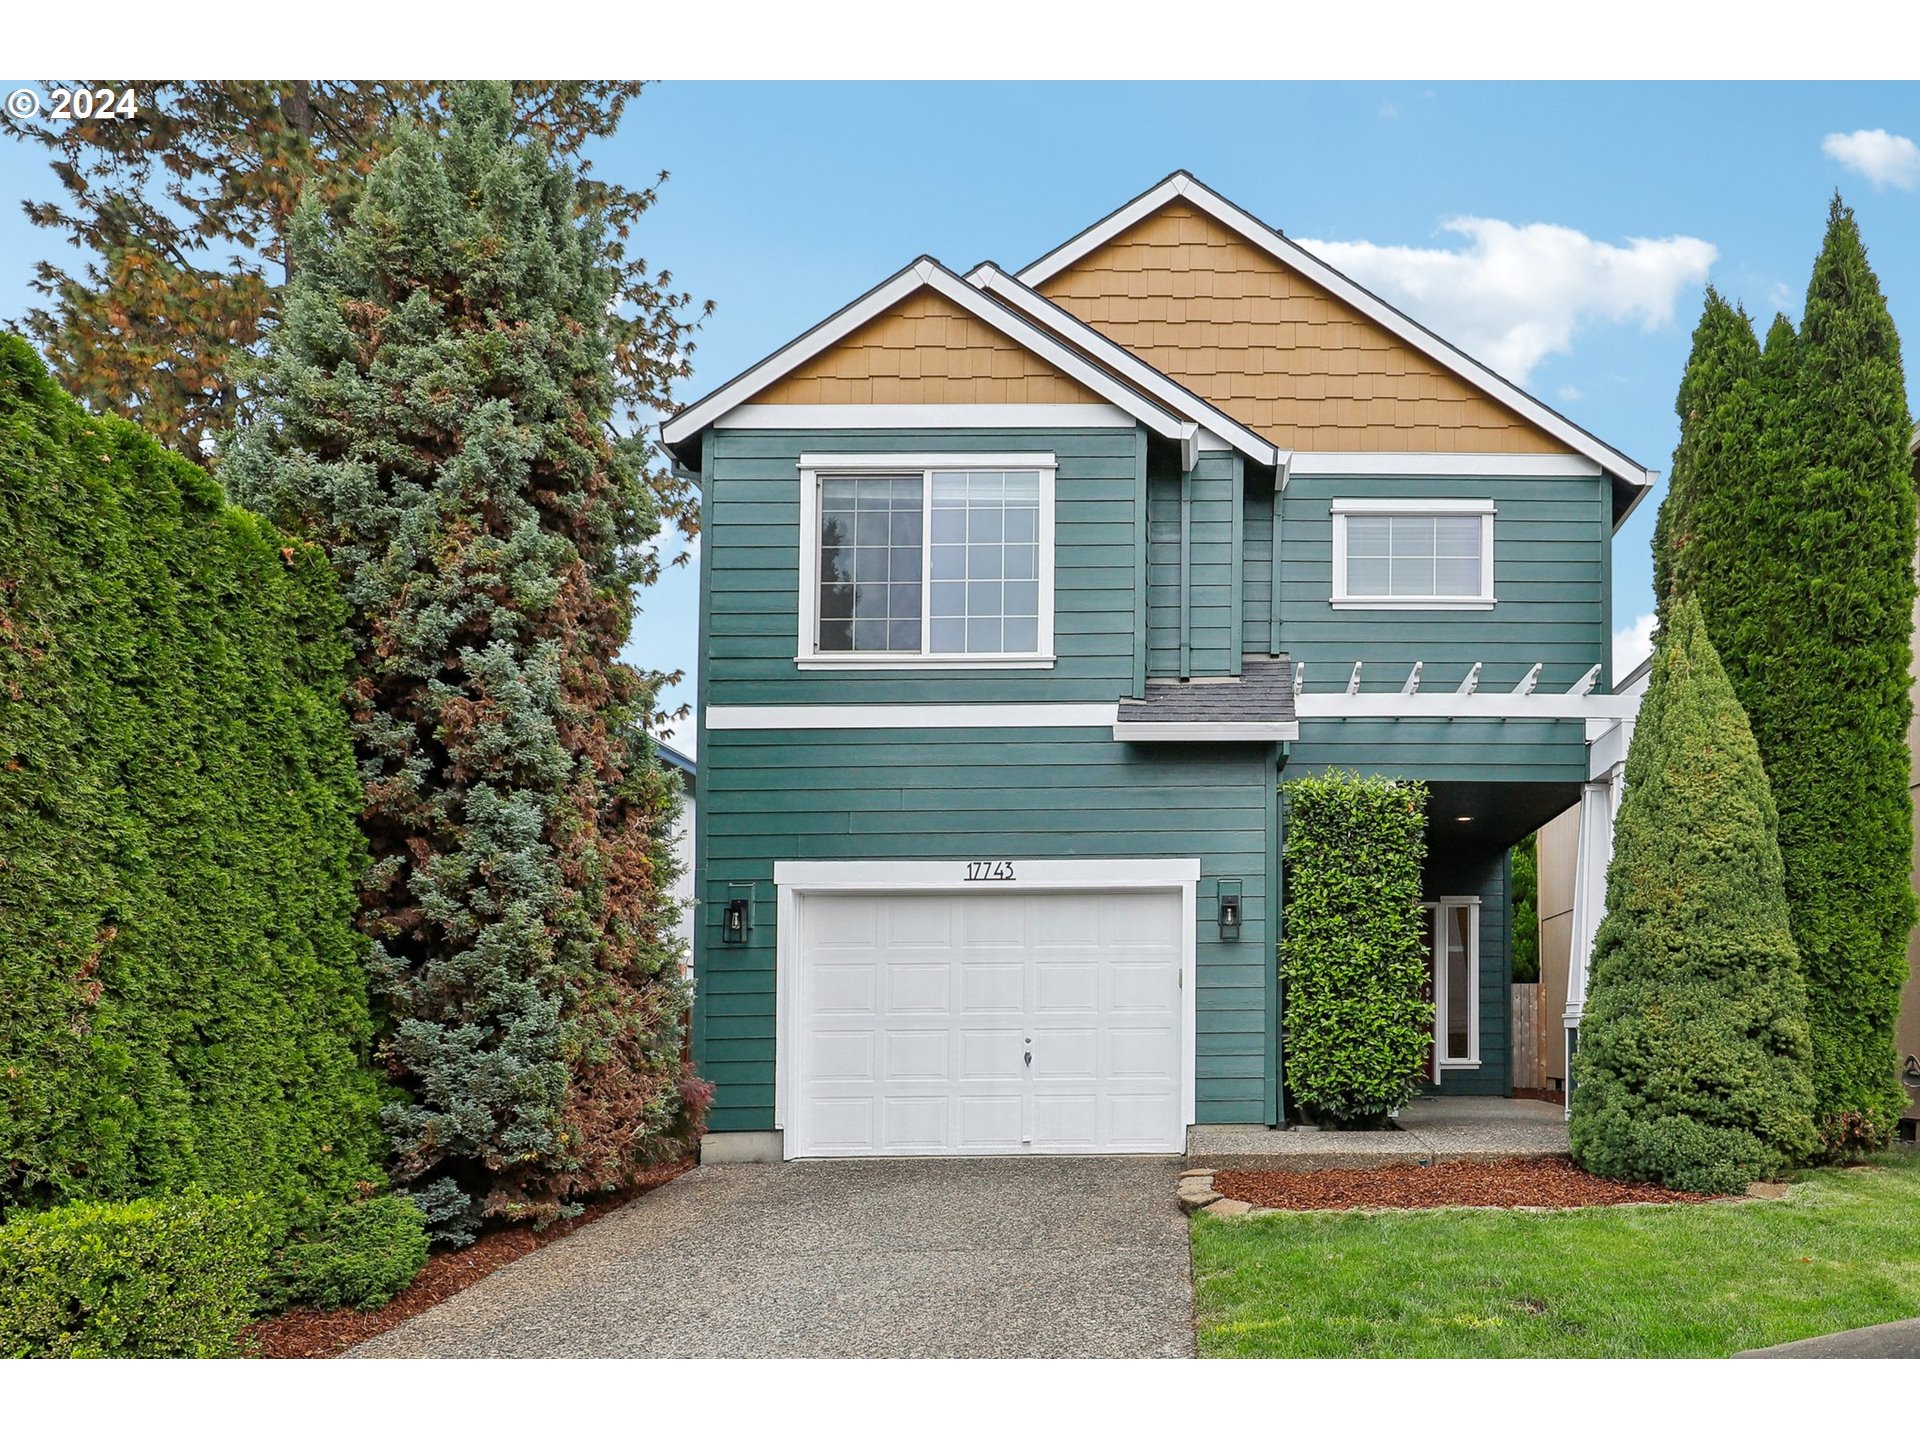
1357, 1022
1692, 1064
360, 1254
183, 1000
142, 1279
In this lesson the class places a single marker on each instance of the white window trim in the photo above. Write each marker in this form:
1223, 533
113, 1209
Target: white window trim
794, 878
815, 468
1436, 939
1342, 600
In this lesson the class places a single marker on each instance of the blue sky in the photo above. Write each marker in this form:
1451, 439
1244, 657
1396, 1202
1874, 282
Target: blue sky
1504, 215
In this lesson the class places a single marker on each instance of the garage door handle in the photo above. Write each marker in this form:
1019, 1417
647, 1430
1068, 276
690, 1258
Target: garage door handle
1029, 1057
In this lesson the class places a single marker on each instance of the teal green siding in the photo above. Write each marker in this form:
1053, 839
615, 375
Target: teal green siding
750, 546
971, 794
1550, 540
1256, 565
1209, 629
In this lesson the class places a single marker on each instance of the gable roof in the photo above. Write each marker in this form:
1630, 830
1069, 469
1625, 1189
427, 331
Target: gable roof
1631, 479
923, 273
1122, 361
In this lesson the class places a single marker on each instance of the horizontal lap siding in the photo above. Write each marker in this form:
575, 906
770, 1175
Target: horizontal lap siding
1550, 539
979, 794
751, 551
1212, 571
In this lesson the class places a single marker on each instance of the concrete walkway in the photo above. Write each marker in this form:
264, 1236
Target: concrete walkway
1897, 1341
990, 1257
1455, 1128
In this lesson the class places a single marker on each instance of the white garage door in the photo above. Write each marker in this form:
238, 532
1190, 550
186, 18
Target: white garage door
971, 1024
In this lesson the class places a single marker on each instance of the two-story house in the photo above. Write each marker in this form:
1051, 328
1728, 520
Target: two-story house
1022, 594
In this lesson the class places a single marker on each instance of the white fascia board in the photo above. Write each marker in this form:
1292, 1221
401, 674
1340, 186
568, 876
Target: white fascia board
1439, 465
1183, 186
1215, 423
925, 273
1481, 705
1412, 505
909, 717
1271, 731
923, 417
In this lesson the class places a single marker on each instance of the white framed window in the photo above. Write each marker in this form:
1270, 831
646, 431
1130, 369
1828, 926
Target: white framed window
1413, 554
926, 561
1453, 951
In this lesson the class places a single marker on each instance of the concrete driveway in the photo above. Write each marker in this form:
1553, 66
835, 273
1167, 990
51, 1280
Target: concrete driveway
995, 1257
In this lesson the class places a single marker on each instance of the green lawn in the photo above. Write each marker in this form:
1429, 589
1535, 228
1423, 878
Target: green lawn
1842, 1251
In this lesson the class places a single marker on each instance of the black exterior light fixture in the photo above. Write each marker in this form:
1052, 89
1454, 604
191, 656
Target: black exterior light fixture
1230, 909
733, 922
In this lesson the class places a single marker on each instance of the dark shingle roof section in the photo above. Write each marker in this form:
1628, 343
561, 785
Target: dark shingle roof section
1263, 695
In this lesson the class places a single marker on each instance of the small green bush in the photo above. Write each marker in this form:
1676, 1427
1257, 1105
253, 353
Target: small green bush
1357, 1023
1693, 1049
144, 1278
360, 1254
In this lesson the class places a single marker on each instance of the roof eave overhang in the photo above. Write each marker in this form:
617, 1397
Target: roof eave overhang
1630, 476
680, 432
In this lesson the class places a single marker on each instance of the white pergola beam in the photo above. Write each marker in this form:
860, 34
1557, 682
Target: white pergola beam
1585, 683
1412, 687
1531, 679
1472, 682
1299, 676
1353, 681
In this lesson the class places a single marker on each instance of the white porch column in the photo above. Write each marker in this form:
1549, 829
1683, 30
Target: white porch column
1599, 803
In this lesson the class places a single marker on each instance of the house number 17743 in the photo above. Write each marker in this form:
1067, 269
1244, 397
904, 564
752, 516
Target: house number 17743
989, 870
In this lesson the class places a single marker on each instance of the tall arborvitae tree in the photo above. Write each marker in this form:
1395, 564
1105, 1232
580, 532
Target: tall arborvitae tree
1830, 704
1693, 1044
1791, 520
435, 404
1716, 465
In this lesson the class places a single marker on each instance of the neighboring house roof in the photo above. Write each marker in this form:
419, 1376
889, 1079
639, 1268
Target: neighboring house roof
685, 764
1258, 705
929, 274
1631, 478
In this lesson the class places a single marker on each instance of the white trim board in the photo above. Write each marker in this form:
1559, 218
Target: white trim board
926, 273
1481, 705
1438, 464
794, 878
1341, 509
1042, 311
923, 417
1182, 186
1271, 731
814, 468
910, 717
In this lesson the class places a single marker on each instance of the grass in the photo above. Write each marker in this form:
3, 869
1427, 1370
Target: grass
1843, 1250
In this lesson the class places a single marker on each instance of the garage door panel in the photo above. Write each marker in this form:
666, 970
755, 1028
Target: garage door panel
918, 1055
917, 1014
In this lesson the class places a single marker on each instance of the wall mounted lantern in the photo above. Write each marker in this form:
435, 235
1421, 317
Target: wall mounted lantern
1230, 909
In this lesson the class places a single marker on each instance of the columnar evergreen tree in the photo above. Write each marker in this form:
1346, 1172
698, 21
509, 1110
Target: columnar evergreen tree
435, 403
1693, 1044
1791, 519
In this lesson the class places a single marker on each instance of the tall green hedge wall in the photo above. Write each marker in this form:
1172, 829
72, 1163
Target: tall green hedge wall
182, 995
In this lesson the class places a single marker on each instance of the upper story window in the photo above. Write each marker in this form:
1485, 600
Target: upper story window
926, 560
1413, 554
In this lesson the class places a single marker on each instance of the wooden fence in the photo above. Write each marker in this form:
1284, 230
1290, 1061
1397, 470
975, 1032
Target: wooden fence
1529, 1057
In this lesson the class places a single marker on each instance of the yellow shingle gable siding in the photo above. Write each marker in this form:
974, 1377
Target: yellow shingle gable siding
926, 351
1273, 350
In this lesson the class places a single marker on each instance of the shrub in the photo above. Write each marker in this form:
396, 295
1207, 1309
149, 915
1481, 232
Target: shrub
1691, 1066
143, 1278
360, 1254
1526, 911
183, 999
1357, 1023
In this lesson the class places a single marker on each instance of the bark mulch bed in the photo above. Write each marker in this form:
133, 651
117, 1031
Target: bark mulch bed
1550, 1182
322, 1334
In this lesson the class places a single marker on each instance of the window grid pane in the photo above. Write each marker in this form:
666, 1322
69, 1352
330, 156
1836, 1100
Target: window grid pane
985, 593
870, 556
1414, 556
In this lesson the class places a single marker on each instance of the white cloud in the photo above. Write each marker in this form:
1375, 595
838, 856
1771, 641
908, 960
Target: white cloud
1632, 645
1570, 392
1883, 158
1518, 293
